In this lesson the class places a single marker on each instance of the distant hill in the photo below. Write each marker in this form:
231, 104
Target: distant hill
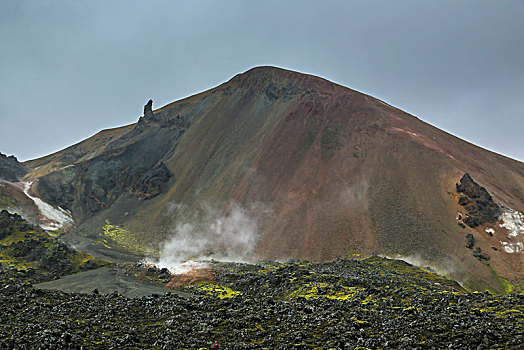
10, 168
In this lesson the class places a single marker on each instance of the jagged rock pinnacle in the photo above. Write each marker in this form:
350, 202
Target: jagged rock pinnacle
148, 109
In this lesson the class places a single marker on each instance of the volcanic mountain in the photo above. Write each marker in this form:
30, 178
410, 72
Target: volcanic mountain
321, 170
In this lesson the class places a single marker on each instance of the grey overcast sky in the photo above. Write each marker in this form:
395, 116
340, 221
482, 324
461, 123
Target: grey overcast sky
71, 68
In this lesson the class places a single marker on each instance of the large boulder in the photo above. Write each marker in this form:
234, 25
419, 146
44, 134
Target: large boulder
479, 204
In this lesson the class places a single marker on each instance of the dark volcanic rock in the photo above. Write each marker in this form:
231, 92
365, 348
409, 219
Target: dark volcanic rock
104, 180
25, 245
470, 241
10, 168
480, 255
129, 166
148, 109
344, 304
11, 223
152, 182
58, 193
477, 202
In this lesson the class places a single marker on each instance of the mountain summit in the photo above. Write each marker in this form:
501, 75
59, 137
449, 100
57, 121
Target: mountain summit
310, 169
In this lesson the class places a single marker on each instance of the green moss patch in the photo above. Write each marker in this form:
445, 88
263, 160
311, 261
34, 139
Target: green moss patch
115, 237
29, 254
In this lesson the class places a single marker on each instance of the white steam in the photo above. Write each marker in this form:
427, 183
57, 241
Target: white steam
208, 233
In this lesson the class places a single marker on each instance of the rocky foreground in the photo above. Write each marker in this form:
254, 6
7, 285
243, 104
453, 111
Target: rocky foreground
346, 304
376, 303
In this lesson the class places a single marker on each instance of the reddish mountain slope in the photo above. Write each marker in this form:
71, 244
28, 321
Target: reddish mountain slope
342, 174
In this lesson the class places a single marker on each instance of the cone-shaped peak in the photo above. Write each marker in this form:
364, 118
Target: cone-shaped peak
276, 78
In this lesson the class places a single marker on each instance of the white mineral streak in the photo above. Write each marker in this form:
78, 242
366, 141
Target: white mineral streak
56, 218
513, 221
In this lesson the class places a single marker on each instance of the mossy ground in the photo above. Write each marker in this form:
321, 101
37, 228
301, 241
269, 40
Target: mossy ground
375, 303
29, 254
345, 304
373, 298
116, 237
7, 202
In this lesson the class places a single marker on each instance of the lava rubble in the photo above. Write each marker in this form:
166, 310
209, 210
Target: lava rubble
345, 304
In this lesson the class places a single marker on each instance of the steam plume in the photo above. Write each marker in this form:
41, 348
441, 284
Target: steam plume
208, 233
